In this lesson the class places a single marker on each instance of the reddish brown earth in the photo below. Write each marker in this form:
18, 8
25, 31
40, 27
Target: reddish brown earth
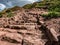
28, 27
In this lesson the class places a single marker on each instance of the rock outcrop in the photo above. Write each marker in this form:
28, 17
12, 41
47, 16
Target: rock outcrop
28, 27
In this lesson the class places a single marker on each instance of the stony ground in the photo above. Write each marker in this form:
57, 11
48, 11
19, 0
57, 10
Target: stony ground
28, 27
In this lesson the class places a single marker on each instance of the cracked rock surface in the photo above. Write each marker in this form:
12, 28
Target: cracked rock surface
28, 27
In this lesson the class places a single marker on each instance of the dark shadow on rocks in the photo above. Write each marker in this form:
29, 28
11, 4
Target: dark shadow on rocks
48, 43
9, 40
52, 43
25, 42
59, 39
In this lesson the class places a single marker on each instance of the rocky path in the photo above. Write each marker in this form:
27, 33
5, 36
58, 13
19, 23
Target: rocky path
29, 28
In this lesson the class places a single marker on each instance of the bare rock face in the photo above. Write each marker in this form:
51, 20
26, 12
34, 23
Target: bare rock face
29, 28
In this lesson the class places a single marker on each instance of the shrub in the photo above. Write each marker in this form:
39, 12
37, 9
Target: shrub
1, 15
10, 14
51, 15
28, 6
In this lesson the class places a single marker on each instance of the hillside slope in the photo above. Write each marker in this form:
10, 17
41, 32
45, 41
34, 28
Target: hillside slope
30, 26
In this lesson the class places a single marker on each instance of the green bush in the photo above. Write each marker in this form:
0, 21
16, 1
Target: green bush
1, 15
52, 5
10, 14
52, 15
28, 6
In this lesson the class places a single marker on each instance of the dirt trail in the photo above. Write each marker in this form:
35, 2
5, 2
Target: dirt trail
28, 27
